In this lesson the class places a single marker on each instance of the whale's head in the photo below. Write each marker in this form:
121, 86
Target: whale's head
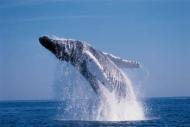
63, 49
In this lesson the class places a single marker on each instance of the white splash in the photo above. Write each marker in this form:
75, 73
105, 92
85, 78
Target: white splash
126, 109
83, 104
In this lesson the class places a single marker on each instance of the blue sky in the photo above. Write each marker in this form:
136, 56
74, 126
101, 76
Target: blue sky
154, 32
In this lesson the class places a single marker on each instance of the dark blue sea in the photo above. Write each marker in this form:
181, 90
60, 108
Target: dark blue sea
162, 112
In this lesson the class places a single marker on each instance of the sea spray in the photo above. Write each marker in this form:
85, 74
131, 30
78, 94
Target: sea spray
124, 109
79, 101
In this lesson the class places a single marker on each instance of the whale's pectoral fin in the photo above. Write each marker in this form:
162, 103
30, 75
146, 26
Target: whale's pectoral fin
122, 63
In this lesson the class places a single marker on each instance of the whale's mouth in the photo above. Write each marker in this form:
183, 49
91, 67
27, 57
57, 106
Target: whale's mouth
48, 44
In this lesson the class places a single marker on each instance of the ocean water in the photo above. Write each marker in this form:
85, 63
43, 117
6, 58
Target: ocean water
161, 112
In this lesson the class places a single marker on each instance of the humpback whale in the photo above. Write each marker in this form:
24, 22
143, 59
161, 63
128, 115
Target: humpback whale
97, 67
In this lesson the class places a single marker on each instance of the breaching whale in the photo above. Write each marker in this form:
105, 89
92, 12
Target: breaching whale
97, 67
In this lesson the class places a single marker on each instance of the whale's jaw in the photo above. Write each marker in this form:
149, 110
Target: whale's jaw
63, 49
48, 44
59, 48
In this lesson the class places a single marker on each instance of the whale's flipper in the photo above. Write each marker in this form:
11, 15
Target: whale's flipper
122, 63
